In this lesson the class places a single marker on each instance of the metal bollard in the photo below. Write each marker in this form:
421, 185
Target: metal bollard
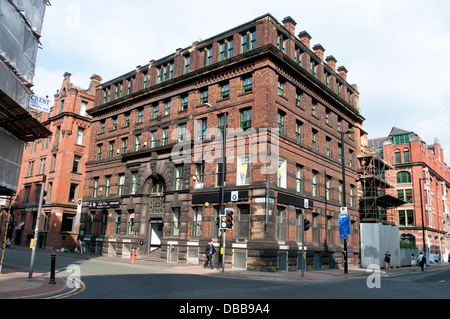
52, 270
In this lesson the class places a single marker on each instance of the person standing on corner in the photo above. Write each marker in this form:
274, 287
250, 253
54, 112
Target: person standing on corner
209, 251
387, 259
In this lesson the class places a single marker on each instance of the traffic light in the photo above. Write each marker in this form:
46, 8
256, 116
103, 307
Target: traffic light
306, 225
229, 213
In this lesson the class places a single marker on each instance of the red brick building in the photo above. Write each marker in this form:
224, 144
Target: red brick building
154, 171
422, 180
61, 158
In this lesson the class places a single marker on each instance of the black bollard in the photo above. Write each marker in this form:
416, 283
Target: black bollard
52, 270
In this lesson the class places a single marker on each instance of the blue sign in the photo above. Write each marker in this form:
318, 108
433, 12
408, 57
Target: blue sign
344, 224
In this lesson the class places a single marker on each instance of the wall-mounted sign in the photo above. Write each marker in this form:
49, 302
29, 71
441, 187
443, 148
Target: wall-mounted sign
104, 204
39, 103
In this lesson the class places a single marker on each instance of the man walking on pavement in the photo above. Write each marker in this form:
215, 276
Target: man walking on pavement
422, 260
209, 251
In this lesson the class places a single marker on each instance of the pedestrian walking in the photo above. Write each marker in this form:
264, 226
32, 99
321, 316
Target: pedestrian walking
436, 258
413, 262
422, 260
387, 259
209, 252
80, 246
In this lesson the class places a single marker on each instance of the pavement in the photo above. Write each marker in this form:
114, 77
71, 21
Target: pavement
15, 282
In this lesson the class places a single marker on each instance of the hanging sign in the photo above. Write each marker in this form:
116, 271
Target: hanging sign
39, 103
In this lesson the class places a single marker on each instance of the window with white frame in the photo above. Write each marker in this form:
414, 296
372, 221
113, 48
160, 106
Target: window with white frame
176, 215
134, 182
201, 128
199, 174
121, 184
315, 186
328, 187
197, 221
181, 132
80, 135
83, 107
298, 178
178, 177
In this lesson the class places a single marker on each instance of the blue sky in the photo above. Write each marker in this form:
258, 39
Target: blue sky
395, 51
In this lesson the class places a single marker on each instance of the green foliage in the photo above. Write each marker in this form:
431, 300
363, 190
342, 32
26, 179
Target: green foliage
404, 243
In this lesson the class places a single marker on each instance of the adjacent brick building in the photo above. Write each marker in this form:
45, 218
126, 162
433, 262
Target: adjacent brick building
422, 180
61, 158
154, 169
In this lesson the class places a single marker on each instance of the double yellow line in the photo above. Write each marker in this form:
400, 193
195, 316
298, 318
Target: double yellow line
77, 282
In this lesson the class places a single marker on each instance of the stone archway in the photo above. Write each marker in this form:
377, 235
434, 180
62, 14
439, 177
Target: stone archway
154, 188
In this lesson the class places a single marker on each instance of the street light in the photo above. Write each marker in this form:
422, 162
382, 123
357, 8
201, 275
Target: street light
222, 184
343, 195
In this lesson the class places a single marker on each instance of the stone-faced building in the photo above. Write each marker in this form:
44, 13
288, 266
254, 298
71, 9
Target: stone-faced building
61, 158
155, 165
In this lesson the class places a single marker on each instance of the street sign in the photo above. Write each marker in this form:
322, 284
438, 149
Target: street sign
223, 221
234, 196
344, 210
344, 224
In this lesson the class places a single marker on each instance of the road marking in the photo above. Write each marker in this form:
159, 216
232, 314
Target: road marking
72, 292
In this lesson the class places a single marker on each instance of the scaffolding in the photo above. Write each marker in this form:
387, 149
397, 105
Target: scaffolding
373, 186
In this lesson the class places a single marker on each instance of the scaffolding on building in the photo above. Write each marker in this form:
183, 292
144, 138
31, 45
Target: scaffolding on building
373, 186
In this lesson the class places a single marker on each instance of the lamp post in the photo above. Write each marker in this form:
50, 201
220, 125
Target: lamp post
343, 195
421, 209
222, 181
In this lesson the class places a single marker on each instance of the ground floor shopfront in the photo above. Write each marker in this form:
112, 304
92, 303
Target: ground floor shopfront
58, 227
176, 226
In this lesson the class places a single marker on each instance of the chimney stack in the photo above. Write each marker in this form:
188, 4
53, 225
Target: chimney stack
342, 71
331, 61
289, 24
319, 50
95, 81
304, 38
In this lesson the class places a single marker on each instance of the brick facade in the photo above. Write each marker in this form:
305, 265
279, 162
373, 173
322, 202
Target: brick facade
419, 167
61, 158
144, 196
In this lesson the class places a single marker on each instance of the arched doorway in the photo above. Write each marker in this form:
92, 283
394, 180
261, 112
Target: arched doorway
156, 188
